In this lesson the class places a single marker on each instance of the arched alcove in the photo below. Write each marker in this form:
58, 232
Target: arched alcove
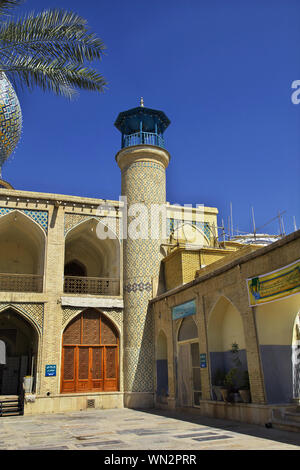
277, 332
188, 330
96, 260
21, 345
90, 354
162, 366
22, 253
225, 332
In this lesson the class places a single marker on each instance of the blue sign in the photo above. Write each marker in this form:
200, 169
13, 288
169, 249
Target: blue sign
50, 370
184, 310
203, 361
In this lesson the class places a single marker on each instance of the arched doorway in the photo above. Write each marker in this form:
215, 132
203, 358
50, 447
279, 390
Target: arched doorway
20, 353
189, 378
90, 354
75, 268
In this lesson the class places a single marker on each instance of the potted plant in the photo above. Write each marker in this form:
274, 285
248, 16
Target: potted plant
229, 388
218, 382
244, 389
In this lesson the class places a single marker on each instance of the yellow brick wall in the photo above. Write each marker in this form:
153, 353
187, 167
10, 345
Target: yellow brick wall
190, 264
231, 284
44, 309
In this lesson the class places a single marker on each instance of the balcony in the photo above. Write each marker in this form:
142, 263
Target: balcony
92, 285
21, 282
142, 138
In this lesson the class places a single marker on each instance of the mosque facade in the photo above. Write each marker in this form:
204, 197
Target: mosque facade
137, 302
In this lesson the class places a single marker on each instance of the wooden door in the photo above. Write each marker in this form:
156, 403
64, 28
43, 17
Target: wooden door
184, 375
90, 358
96, 368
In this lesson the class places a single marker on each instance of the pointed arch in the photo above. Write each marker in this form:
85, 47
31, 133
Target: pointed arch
225, 329
22, 253
90, 353
187, 330
100, 257
22, 357
279, 348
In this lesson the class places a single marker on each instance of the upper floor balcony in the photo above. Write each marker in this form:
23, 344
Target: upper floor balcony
92, 285
21, 282
91, 264
142, 138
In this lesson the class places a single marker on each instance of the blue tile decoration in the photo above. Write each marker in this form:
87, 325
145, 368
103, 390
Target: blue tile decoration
40, 217
10, 119
138, 286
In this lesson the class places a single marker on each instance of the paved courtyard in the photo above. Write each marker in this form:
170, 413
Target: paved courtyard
126, 429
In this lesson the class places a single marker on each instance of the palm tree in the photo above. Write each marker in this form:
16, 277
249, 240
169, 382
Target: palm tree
50, 50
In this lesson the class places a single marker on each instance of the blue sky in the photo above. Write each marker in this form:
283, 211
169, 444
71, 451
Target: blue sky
221, 71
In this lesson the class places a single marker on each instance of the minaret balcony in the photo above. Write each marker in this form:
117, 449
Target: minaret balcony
143, 138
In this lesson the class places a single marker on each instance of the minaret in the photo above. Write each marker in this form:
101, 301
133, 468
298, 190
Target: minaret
143, 161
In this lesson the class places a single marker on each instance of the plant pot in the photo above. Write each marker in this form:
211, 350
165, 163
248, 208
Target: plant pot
245, 395
217, 391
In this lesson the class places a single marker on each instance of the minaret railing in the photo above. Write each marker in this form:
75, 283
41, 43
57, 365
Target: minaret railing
143, 138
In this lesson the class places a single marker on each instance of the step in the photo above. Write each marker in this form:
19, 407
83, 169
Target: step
286, 426
14, 413
9, 405
292, 416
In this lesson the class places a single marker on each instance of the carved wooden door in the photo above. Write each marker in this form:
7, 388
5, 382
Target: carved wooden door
90, 359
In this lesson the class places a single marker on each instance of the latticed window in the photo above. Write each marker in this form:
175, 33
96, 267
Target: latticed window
90, 356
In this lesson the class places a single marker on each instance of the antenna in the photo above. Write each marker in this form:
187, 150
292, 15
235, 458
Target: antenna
231, 218
253, 220
280, 233
283, 229
295, 226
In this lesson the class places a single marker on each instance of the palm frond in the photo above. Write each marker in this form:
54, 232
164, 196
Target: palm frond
49, 50
54, 33
7, 5
56, 76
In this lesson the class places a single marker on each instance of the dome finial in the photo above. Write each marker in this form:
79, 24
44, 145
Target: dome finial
142, 102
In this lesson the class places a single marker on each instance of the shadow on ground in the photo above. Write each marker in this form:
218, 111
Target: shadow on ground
286, 437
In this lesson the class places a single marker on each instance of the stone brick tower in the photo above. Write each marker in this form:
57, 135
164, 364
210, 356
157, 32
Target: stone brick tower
143, 161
